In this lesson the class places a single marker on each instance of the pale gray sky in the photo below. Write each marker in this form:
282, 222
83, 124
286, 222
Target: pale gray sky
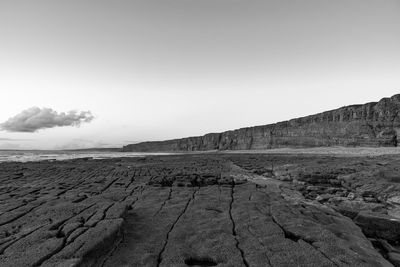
154, 70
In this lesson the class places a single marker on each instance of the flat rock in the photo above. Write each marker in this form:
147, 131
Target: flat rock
188, 210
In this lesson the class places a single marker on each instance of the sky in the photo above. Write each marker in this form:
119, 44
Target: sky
98, 73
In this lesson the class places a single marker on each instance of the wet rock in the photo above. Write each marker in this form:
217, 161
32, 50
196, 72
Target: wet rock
379, 225
394, 258
355, 206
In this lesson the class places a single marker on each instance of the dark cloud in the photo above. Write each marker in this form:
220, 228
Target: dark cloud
33, 119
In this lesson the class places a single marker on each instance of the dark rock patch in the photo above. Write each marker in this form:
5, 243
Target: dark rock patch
201, 262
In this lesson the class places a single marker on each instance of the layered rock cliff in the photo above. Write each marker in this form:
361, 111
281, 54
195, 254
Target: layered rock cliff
371, 124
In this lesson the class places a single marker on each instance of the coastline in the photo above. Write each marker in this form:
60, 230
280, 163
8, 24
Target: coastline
50, 155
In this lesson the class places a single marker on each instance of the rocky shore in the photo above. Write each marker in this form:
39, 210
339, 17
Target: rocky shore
202, 210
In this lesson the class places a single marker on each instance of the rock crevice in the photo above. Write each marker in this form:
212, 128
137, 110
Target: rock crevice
234, 233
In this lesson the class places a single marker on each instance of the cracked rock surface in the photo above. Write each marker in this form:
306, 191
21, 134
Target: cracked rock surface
196, 210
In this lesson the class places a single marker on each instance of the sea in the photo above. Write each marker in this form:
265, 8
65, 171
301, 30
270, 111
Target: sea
39, 155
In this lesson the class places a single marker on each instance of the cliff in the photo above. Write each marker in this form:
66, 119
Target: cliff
371, 124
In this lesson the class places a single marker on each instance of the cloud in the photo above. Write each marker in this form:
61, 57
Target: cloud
34, 119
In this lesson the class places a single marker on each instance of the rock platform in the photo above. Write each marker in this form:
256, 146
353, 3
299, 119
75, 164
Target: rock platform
201, 210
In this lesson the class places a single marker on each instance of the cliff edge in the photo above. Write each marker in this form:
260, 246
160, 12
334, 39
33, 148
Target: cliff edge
372, 124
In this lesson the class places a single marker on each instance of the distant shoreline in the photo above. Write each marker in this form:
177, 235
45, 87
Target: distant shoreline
112, 149
60, 155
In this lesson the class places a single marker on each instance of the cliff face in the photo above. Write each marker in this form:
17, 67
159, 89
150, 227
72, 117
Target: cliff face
372, 124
